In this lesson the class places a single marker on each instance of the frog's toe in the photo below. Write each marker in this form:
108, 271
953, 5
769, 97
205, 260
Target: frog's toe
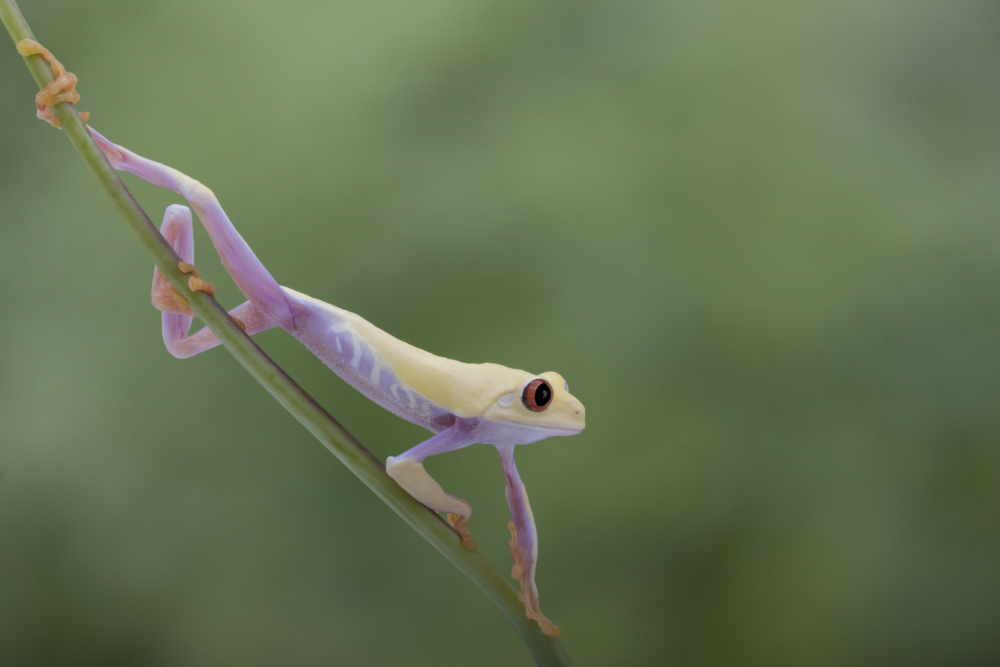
61, 89
460, 523
166, 298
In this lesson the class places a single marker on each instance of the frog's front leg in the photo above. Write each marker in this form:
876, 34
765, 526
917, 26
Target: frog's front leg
408, 471
178, 230
523, 541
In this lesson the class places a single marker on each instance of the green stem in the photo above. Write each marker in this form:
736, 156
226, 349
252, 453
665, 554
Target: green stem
545, 650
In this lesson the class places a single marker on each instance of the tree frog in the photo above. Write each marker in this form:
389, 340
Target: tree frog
459, 403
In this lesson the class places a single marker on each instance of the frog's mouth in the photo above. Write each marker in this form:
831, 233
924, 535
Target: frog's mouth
560, 429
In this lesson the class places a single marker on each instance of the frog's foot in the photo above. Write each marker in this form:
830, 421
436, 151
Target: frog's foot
416, 481
460, 523
166, 298
177, 230
194, 282
524, 571
62, 89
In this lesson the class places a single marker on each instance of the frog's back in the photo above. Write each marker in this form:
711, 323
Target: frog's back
418, 386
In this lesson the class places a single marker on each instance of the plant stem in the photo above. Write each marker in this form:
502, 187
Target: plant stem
545, 650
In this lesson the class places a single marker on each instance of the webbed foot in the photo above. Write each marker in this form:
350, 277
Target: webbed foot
62, 89
168, 300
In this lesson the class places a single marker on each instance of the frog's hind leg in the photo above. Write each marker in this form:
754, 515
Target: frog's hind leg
177, 316
408, 471
242, 264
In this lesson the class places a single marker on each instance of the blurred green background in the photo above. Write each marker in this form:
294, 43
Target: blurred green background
758, 238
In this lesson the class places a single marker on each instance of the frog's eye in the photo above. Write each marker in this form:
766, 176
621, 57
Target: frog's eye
537, 395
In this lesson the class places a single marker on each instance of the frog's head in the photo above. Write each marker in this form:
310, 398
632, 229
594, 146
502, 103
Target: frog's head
542, 404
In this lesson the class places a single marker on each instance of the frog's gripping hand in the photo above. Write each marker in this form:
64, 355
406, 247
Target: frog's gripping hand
408, 471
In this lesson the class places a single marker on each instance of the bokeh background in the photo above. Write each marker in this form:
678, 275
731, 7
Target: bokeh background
759, 239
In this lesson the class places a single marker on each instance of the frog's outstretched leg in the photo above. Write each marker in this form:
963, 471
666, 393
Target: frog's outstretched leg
178, 230
249, 274
408, 471
523, 541
242, 264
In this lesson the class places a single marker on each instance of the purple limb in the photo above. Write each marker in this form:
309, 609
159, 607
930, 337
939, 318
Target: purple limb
247, 271
523, 541
177, 316
408, 471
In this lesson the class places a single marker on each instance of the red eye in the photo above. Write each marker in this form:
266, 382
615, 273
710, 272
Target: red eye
537, 395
